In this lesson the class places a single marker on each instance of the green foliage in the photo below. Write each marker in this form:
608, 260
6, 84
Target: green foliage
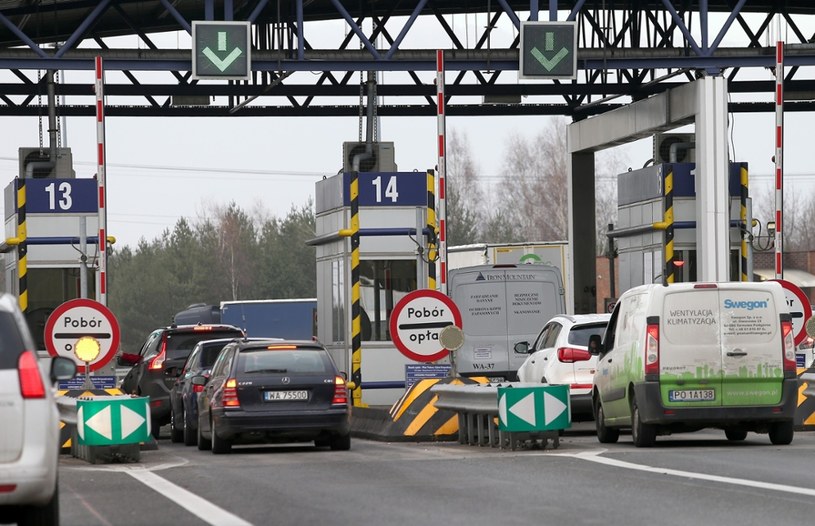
224, 256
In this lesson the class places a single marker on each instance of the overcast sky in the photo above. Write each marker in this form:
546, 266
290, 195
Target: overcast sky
160, 169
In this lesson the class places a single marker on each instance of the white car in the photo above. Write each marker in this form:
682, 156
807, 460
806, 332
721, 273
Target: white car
560, 356
29, 442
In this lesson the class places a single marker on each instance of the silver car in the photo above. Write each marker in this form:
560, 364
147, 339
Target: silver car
29, 443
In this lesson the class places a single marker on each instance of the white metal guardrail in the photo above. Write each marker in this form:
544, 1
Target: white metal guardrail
477, 408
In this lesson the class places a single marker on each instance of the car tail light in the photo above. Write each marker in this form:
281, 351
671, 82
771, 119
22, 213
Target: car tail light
202, 328
580, 386
230, 395
705, 286
788, 346
197, 388
7, 488
281, 347
652, 349
31, 385
571, 355
157, 362
340, 391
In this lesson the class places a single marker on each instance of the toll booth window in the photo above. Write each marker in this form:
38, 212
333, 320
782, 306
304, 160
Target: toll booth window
337, 301
382, 285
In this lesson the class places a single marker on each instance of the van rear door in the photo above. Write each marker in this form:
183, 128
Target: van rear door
690, 350
752, 349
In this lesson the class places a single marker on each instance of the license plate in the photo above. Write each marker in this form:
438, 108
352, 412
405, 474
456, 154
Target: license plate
692, 395
276, 396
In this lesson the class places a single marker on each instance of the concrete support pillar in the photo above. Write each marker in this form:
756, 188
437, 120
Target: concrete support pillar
712, 201
582, 230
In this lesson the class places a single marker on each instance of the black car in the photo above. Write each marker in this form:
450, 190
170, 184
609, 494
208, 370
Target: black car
273, 391
159, 362
184, 395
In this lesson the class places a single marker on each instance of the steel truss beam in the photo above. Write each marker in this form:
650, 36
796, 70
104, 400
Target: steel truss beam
638, 48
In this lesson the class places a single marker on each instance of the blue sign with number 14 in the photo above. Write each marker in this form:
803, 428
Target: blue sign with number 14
388, 189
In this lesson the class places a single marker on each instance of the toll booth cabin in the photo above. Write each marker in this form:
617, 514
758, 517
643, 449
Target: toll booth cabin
60, 216
655, 233
393, 261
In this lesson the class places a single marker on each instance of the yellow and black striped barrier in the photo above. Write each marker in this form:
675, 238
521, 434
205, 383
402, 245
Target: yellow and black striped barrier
66, 430
22, 246
744, 195
668, 219
431, 226
805, 413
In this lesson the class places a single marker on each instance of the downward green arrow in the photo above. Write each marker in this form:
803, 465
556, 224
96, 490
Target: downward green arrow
549, 63
222, 64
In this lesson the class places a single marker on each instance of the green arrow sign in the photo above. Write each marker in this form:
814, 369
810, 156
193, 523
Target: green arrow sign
112, 420
221, 50
548, 50
541, 408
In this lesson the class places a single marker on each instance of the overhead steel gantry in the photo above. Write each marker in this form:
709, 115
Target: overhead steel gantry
628, 50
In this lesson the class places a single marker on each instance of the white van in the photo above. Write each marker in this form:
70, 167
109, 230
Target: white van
500, 306
695, 355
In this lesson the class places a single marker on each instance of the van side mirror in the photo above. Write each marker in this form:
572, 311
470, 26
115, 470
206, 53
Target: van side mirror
521, 347
595, 344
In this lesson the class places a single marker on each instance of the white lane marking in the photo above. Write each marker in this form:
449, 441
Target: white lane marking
594, 456
198, 506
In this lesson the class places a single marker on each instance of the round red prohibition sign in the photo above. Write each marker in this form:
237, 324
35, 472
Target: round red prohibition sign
800, 308
75, 319
417, 320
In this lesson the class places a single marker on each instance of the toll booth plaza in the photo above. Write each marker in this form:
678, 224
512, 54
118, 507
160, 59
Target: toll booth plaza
393, 261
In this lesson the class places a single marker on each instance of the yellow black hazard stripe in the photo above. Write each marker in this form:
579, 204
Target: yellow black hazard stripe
805, 412
416, 415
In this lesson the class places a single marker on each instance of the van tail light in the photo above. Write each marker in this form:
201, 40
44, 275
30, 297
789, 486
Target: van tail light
157, 362
340, 391
31, 385
571, 355
652, 348
789, 346
230, 395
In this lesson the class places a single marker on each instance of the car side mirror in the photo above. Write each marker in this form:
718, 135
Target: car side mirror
199, 380
595, 344
62, 368
521, 347
128, 359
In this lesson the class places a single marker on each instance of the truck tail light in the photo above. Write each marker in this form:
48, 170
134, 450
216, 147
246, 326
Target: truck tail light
157, 362
571, 355
788, 346
230, 395
652, 349
31, 385
340, 391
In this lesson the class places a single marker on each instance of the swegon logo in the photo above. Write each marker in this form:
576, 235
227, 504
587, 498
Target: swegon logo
749, 305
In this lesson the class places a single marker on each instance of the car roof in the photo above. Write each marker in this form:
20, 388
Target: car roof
584, 318
254, 343
199, 326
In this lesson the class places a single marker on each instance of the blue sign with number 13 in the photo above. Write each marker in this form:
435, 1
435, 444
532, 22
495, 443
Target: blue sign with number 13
61, 196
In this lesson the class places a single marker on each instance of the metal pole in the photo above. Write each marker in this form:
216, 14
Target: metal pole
779, 160
83, 257
442, 173
101, 291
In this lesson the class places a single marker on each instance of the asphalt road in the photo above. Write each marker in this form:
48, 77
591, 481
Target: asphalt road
698, 478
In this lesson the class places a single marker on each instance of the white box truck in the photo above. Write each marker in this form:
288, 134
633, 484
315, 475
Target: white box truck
554, 253
500, 306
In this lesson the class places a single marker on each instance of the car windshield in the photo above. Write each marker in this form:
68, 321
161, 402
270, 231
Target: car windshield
580, 335
288, 361
11, 343
179, 345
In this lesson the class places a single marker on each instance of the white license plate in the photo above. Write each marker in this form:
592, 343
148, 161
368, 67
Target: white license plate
275, 396
692, 395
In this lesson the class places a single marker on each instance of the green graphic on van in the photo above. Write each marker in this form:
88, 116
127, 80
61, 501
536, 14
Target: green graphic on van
530, 258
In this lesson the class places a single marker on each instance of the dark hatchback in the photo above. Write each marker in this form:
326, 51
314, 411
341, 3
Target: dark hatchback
184, 395
273, 391
159, 362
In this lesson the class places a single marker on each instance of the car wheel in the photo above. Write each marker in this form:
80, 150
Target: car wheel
340, 442
203, 443
605, 435
189, 436
781, 433
322, 441
176, 434
644, 435
219, 445
155, 429
44, 515
735, 435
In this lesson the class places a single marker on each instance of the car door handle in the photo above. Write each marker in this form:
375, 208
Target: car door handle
737, 353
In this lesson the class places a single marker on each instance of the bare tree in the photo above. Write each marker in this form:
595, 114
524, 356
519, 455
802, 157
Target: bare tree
465, 197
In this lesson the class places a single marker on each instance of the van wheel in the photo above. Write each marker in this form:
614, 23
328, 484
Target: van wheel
644, 435
735, 435
781, 433
606, 435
